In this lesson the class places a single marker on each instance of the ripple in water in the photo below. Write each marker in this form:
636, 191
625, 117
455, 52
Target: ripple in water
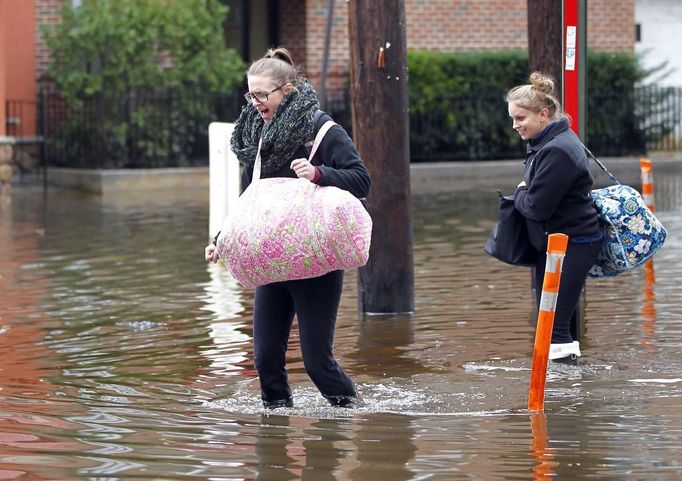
390, 398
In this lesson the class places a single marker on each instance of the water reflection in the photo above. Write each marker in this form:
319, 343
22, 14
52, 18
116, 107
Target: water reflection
283, 454
383, 348
230, 339
542, 453
384, 448
123, 356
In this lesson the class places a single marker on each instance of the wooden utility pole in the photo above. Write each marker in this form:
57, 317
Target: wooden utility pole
545, 38
379, 102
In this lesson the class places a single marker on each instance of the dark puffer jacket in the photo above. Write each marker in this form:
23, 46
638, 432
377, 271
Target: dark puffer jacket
556, 197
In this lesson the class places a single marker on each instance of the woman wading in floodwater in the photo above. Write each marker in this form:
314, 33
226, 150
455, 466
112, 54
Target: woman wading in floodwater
555, 197
283, 110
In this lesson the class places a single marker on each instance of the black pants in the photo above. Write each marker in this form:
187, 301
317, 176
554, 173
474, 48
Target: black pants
315, 302
578, 261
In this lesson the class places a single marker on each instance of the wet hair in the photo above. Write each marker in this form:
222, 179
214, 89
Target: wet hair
278, 65
539, 94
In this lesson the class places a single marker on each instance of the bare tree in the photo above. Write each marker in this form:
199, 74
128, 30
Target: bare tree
544, 38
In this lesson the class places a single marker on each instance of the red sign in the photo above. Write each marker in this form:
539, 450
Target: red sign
570, 62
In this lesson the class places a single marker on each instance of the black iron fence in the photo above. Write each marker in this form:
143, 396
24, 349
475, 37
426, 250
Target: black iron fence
648, 119
478, 128
152, 130
659, 114
463, 127
141, 130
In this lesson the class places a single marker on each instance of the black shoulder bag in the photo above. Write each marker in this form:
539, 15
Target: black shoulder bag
508, 241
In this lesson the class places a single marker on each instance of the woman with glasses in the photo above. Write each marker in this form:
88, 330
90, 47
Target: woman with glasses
283, 113
555, 197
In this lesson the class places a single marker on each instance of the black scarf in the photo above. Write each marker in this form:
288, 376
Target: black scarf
290, 127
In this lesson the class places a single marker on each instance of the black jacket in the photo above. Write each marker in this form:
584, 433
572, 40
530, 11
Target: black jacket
556, 197
337, 159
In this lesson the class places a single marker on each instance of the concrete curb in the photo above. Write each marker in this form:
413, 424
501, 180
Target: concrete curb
432, 177
505, 175
112, 181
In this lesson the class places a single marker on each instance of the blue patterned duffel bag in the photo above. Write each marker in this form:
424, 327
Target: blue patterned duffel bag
632, 232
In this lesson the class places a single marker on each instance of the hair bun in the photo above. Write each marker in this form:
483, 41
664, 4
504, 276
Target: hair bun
541, 82
280, 53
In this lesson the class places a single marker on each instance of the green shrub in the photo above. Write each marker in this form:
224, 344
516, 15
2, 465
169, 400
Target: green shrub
457, 107
114, 59
611, 119
458, 112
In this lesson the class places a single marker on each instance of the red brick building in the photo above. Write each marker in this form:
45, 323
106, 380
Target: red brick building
444, 26
440, 25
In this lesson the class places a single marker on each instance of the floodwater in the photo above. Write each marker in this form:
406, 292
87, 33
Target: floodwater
124, 356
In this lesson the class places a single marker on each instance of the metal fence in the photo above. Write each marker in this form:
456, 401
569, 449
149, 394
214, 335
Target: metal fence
141, 130
152, 130
647, 119
463, 127
468, 127
659, 114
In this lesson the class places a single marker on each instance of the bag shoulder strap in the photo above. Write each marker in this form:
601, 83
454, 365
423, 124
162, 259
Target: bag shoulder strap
590, 155
255, 176
318, 138
317, 116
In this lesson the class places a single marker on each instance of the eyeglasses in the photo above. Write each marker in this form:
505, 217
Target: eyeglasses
260, 97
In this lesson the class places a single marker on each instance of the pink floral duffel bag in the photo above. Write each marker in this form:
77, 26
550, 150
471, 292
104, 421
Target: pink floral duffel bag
290, 228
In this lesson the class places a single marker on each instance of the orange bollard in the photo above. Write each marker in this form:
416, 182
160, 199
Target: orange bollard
648, 196
556, 251
647, 182
648, 308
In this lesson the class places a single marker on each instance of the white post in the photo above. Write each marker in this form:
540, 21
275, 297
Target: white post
224, 175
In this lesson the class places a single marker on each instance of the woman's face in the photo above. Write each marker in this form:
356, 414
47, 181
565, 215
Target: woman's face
266, 95
527, 123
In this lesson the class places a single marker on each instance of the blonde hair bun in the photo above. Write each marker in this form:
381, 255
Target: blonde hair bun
542, 83
537, 95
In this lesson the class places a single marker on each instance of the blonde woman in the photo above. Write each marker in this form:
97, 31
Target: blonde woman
555, 197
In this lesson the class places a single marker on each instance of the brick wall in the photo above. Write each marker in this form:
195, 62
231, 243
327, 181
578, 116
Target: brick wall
48, 12
611, 25
303, 29
339, 55
453, 26
466, 25
292, 26
441, 25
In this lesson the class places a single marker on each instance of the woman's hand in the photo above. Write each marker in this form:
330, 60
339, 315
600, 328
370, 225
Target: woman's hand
303, 168
211, 253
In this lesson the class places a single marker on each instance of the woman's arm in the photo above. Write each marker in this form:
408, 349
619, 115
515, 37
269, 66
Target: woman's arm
555, 173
